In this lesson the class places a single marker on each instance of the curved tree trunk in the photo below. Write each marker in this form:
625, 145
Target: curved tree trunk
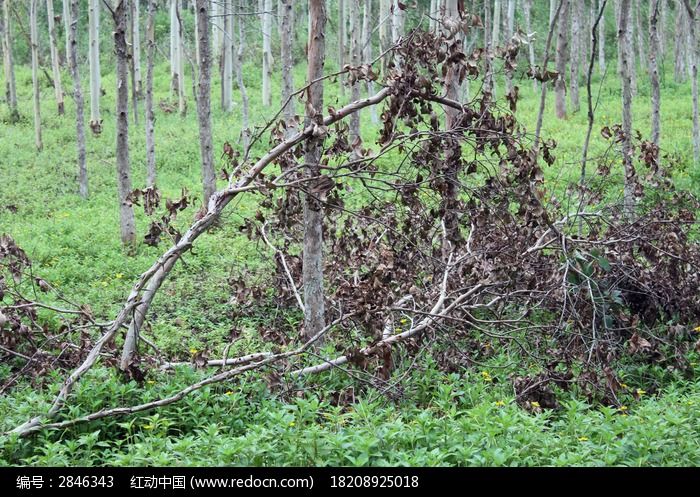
314, 305
150, 116
72, 36
55, 63
126, 210
94, 56
34, 35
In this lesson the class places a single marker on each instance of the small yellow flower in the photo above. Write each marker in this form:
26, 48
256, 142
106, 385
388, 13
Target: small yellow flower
404, 321
696, 329
624, 385
292, 424
119, 276
104, 283
583, 439
193, 351
622, 408
500, 403
151, 382
486, 376
149, 426
535, 404
641, 392
229, 392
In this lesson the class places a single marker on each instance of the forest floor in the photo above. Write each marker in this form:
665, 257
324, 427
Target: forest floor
432, 417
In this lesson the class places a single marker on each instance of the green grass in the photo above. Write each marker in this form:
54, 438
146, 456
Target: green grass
440, 418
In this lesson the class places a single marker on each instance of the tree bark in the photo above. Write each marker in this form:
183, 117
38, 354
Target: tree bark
575, 61
8, 64
496, 19
55, 63
488, 88
267, 53
314, 305
527, 12
150, 116
692, 12
385, 31
204, 101
641, 48
286, 29
367, 51
355, 61
654, 70
341, 44
66, 29
245, 121
510, 24
561, 59
94, 56
126, 210
625, 54
72, 36
136, 46
601, 42
227, 76
34, 35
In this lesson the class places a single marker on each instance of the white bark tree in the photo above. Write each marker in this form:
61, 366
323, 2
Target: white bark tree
510, 26
227, 67
341, 44
94, 58
575, 60
136, 46
267, 53
561, 59
204, 101
367, 51
355, 60
245, 120
654, 12
55, 62
8, 63
72, 36
286, 39
601, 41
126, 209
150, 116
692, 12
626, 56
34, 37
527, 13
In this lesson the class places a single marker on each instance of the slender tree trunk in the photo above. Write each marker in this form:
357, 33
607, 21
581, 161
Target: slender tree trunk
355, 61
34, 34
398, 17
267, 53
314, 305
510, 26
496, 35
72, 36
654, 70
488, 88
663, 22
286, 29
217, 35
641, 48
367, 52
94, 56
562, 56
133, 23
601, 42
434, 14
527, 12
181, 104
385, 31
66, 29
681, 35
204, 101
227, 76
126, 209
150, 116
341, 44
55, 63
692, 12
10, 85
625, 54
245, 120
575, 61
136, 46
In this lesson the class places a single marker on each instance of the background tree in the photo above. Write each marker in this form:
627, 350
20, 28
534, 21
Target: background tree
601, 41
34, 34
94, 57
267, 61
55, 63
654, 12
204, 101
227, 67
341, 44
287, 60
150, 115
74, 13
576, 13
8, 63
626, 56
355, 61
561, 59
692, 12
